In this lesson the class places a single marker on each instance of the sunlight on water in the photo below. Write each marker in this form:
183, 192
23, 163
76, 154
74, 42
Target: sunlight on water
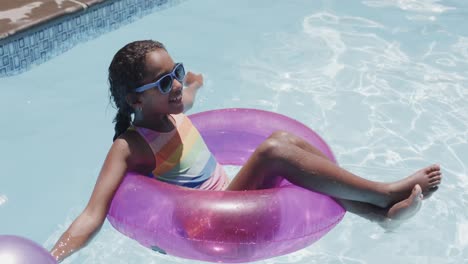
412, 5
3, 199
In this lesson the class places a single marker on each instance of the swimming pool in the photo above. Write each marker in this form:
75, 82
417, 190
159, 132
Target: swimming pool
384, 82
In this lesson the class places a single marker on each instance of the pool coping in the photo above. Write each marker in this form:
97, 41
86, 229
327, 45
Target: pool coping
56, 30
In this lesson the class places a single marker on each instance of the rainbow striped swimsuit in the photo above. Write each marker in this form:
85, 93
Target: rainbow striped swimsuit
182, 157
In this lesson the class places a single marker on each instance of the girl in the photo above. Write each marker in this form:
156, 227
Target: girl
146, 83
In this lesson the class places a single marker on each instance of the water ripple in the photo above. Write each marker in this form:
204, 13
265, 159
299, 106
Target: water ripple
430, 6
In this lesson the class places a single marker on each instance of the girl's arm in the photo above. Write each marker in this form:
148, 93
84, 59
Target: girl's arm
192, 83
92, 217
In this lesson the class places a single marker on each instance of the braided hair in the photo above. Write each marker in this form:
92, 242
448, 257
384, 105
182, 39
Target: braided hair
126, 72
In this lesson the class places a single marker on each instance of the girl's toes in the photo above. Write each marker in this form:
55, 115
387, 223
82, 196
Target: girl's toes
433, 168
433, 184
435, 179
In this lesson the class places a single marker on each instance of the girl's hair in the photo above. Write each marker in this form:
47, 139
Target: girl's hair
126, 72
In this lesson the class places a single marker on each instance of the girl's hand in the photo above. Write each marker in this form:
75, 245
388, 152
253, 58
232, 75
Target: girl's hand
192, 79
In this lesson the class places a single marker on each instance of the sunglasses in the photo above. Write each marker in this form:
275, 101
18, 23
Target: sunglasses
164, 83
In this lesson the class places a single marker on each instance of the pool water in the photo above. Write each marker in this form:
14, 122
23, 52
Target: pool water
383, 82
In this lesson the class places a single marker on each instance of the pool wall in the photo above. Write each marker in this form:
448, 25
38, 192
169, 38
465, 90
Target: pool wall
37, 43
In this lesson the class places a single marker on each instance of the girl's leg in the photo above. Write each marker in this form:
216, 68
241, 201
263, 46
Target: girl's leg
302, 164
402, 210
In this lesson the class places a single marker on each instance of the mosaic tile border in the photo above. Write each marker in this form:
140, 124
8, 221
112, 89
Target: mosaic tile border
20, 52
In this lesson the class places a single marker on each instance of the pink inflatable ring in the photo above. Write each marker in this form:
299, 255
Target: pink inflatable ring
227, 226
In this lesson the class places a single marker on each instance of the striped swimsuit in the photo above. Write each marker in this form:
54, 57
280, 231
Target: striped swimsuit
182, 157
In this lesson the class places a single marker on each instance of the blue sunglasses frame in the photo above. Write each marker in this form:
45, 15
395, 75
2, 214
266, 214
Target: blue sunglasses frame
171, 75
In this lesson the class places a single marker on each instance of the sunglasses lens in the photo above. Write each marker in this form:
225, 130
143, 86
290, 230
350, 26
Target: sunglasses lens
179, 72
166, 84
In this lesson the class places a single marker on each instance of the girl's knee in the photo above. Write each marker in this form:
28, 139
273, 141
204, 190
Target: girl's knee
285, 137
271, 148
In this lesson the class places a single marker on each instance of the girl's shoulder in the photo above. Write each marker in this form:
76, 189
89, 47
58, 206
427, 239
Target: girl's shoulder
141, 156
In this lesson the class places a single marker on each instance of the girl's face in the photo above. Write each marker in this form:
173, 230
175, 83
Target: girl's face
159, 63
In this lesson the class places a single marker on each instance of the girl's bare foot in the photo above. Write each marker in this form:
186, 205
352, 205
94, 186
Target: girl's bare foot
408, 207
427, 178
